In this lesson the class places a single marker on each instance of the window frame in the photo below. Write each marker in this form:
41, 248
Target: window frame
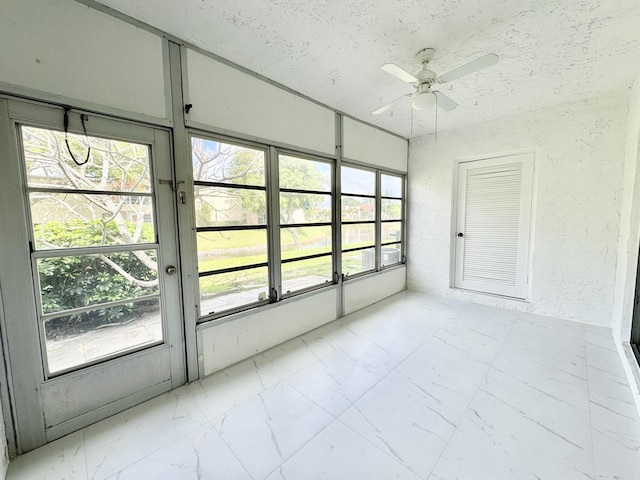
374, 222
274, 226
401, 220
331, 223
378, 221
203, 317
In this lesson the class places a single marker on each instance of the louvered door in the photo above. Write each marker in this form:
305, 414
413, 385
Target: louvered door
493, 223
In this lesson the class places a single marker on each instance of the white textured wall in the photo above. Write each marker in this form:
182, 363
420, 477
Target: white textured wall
577, 194
629, 224
628, 242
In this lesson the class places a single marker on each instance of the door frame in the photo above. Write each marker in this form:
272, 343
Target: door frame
25, 382
455, 206
634, 336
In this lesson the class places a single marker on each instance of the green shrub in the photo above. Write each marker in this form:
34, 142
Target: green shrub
77, 281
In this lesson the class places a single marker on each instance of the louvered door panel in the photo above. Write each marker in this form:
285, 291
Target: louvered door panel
494, 201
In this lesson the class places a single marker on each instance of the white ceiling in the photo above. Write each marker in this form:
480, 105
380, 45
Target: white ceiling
331, 50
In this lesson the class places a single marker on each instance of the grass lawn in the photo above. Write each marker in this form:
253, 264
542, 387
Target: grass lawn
238, 281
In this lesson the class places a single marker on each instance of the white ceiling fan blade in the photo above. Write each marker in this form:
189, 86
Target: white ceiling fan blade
386, 107
445, 102
398, 72
471, 67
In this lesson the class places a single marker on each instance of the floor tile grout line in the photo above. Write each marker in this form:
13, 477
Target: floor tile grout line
178, 438
84, 451
586, 364
473, 398
301, 446
285, 382
231, 450
336, 417
377, 447
279, 382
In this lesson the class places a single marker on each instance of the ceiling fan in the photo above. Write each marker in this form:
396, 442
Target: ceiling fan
425, 97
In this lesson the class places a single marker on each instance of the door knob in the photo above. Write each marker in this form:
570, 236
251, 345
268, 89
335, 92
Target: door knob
461, 234
171, 270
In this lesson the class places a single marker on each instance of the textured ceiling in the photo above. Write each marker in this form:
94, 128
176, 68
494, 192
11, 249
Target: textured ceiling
331, 50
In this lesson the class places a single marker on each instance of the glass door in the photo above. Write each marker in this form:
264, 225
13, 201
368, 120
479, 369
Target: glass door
94, 247
100, 215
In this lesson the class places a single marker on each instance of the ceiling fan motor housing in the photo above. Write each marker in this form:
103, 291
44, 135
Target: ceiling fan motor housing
426, 76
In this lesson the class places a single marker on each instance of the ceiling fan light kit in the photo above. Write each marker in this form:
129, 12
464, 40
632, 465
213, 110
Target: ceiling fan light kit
423, 81
423, 100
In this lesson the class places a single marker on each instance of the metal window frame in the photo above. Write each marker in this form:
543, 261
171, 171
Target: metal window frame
193, 133
374, 196
273, 225
378, 221
331, 224
402, 219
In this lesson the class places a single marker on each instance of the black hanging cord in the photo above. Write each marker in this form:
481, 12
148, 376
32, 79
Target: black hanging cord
66, 139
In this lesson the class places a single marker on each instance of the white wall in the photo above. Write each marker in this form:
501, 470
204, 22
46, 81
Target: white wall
223, 344
577, 193
628, 243
363, 291
629, 224
226, 98
66, 49
373, 146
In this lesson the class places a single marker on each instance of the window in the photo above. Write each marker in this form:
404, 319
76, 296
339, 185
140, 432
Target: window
264, 222
392, 206
305, 223
230, 195
358, 220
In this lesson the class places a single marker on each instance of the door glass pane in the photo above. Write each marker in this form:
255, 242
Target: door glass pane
302, 241
354, 236
231, 248
391, 186
358, 181
215, 161
358, 208
304, 208
113, 165
66, 220
358, 261
303, 174
80, 281
73, 340
217, 206
230, 290
391, 209
306, 273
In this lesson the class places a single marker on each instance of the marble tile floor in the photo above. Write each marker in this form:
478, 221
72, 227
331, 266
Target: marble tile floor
413, 387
